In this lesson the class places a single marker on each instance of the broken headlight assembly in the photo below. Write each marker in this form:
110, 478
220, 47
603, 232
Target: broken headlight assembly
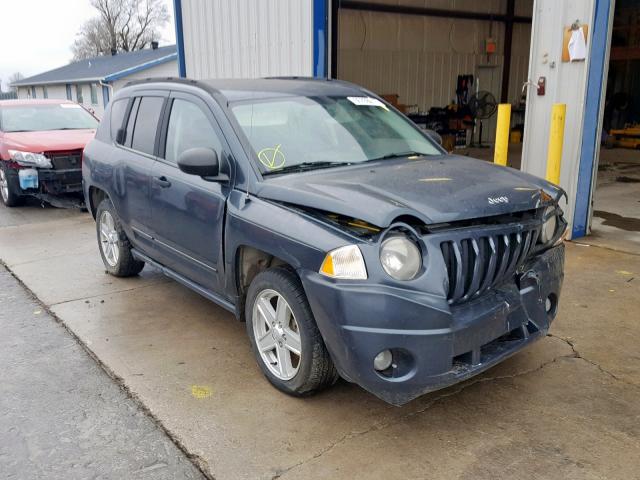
551, 226
400, 256
30, 159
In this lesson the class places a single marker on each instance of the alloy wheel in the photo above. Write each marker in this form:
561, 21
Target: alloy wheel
4, 185
109, 239
277, 334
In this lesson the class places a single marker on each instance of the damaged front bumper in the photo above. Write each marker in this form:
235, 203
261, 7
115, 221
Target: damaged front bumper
58, 182
48, 181
434, 344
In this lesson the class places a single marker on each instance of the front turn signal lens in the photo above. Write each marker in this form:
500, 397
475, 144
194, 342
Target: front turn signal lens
345, 263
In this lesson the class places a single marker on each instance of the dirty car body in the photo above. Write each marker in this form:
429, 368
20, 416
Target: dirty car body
420, 269
41, 143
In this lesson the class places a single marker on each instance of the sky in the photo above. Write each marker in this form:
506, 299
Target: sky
36, 35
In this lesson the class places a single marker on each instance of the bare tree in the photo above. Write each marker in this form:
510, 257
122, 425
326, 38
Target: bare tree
14, 77
121, 25
92, 40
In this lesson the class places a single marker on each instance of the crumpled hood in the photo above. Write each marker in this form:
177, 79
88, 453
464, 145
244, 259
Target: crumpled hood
50, 140
434, 189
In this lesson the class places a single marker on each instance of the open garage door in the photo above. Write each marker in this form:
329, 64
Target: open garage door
446, 67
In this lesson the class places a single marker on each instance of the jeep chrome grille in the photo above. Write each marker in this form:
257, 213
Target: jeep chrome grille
477, 263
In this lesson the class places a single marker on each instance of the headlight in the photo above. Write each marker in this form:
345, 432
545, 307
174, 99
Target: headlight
549, 226
400, 257
29, 159
345, 263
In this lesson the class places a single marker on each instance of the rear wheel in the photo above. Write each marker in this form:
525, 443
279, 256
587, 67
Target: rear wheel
114, 245
9, 188
284, 335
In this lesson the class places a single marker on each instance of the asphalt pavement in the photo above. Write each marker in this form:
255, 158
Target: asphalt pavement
61, 415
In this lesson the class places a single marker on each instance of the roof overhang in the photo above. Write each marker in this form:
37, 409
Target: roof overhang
138, 68
55, 82
109, 78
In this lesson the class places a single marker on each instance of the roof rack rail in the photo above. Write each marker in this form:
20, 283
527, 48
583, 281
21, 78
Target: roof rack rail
298, 77
184, 81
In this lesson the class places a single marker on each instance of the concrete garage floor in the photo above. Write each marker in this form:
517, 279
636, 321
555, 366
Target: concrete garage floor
568, 407
616, 216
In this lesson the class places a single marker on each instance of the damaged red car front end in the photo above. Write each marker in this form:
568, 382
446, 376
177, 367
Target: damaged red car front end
41, 144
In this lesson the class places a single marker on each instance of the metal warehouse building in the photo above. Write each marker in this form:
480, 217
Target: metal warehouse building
417, 51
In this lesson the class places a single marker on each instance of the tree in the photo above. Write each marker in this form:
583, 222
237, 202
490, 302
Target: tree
92, 40
14, 78
121, 25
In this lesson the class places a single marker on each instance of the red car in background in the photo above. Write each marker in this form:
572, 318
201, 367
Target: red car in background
41, 144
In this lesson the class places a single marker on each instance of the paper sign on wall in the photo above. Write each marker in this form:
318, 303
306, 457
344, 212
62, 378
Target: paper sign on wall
578, 50
577, 45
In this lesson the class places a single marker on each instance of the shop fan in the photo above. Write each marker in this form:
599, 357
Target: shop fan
483, 106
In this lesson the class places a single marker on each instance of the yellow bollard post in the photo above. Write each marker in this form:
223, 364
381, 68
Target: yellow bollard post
502, 134
556, 140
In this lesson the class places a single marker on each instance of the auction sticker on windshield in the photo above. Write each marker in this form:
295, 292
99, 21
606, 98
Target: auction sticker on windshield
367, 102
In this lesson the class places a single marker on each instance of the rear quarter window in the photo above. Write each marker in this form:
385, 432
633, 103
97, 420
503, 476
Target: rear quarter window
116, 116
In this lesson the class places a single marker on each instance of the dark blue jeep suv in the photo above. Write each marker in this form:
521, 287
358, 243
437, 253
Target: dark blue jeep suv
348, 240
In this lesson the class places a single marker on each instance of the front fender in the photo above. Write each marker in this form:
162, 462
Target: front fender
274, 229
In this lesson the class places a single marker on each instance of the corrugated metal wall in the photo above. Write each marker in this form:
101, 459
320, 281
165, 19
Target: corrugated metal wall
419, 58
247, 38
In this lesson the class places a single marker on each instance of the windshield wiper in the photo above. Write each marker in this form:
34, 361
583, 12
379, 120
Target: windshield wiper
409, 153
305, 167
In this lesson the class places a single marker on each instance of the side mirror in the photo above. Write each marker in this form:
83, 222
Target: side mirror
433, 135
199, 161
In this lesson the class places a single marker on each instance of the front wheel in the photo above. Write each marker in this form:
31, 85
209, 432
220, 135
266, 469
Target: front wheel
9, 189
114, 245
284, 335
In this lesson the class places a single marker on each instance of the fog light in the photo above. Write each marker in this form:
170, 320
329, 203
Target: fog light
551, 305
383, 360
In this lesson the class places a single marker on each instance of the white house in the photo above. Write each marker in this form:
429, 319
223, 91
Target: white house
92, 82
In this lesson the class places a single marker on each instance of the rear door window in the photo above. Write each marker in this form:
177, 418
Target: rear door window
189, 127
131, 121
146, 126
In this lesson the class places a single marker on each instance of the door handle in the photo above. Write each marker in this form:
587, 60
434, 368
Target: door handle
162, 181
526, 84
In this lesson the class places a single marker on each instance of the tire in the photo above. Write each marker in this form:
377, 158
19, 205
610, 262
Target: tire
10, 188
114, 246
313, 371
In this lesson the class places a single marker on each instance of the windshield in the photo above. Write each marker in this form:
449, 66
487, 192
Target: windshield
293, 132
35, 118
